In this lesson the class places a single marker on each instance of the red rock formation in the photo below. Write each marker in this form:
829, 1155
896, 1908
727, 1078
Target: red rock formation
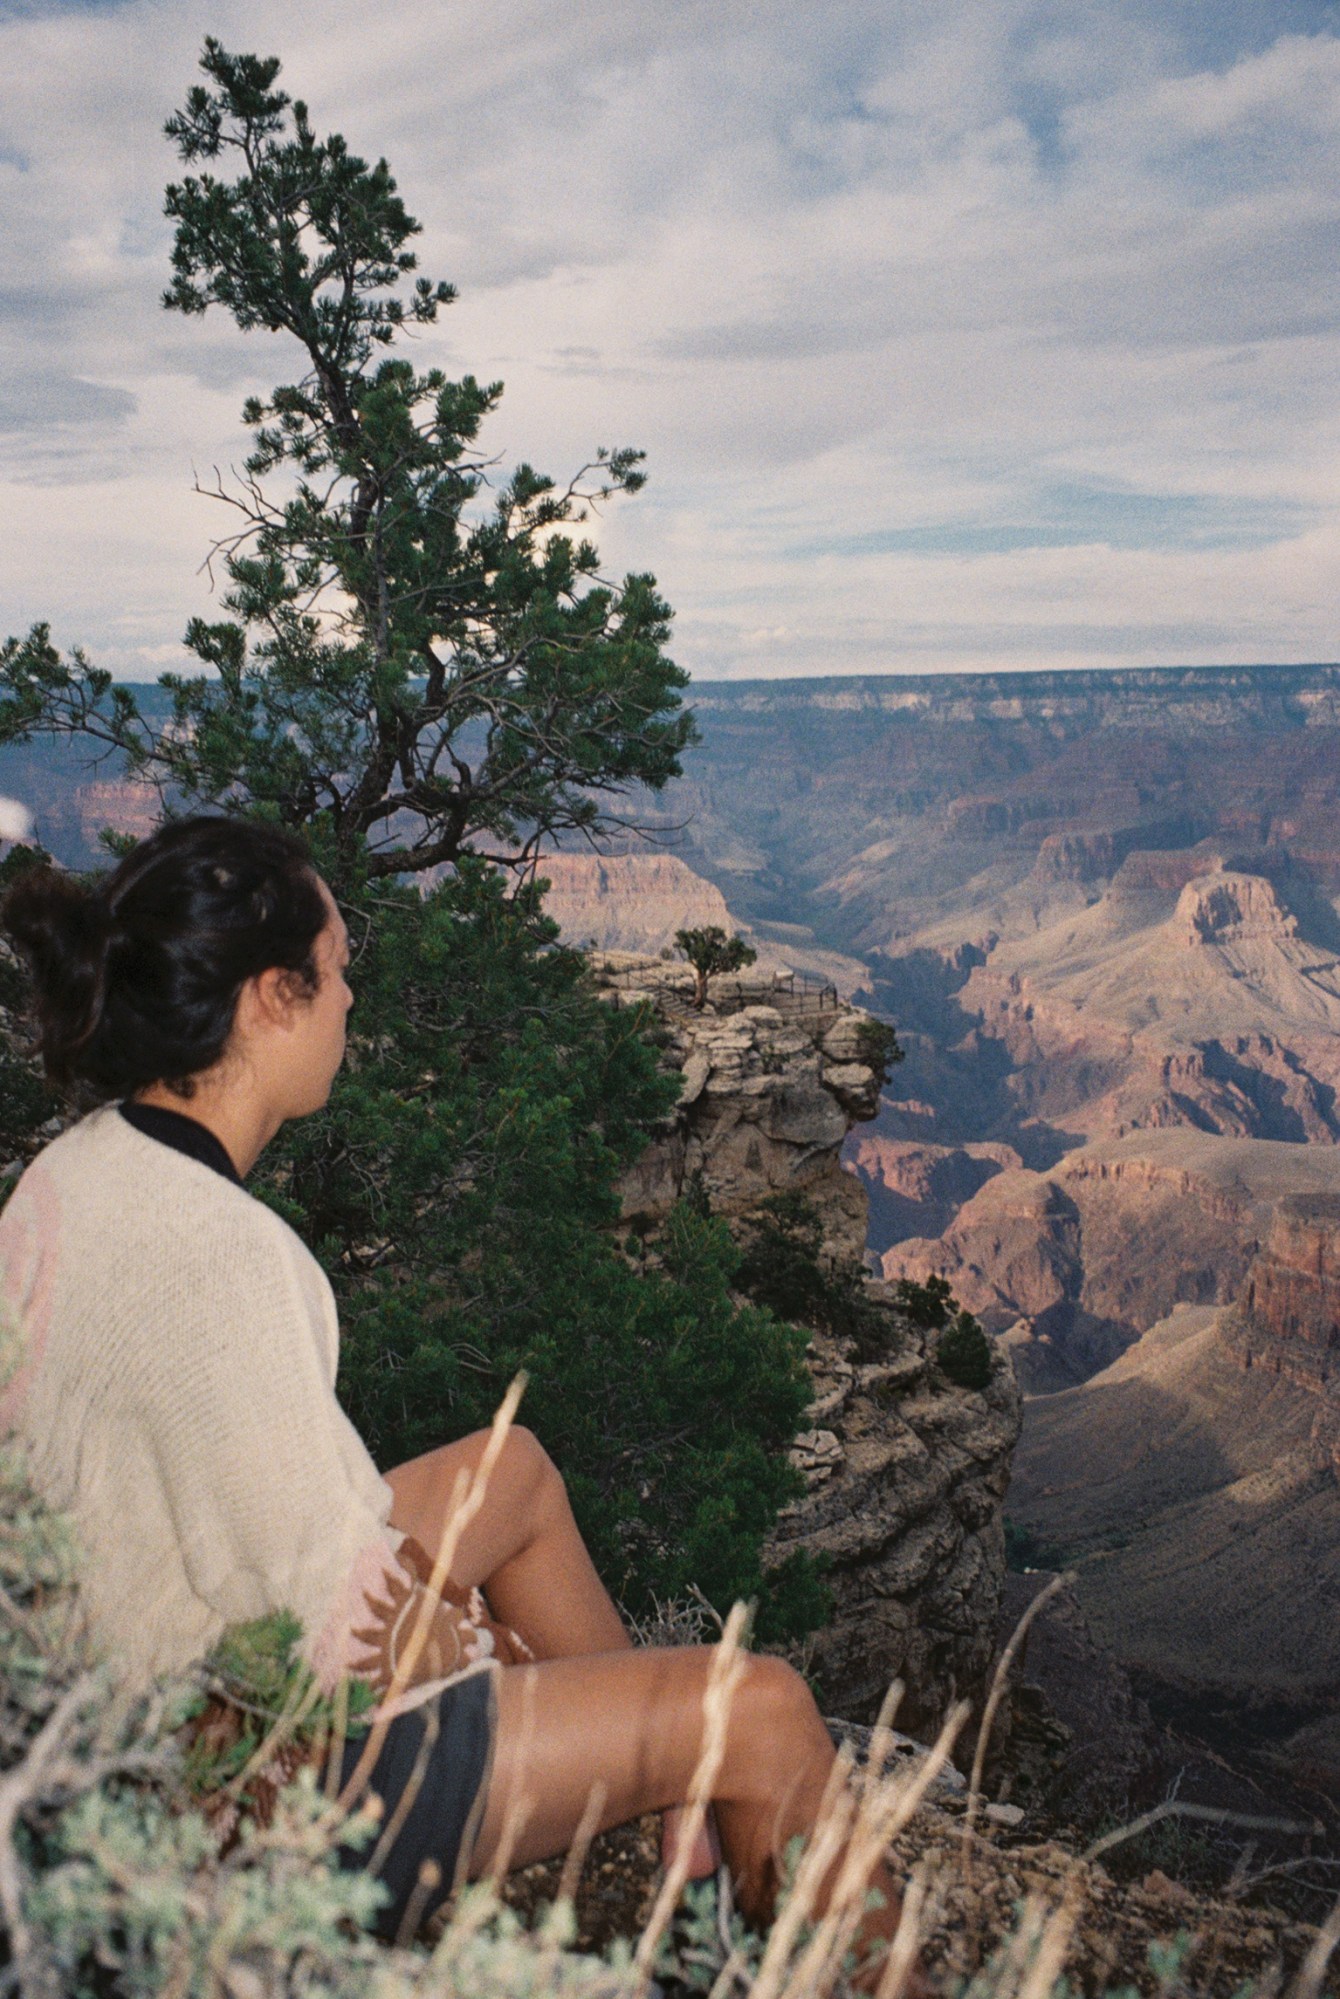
916, 1189
1289, 1326
629, 902
1293, 1288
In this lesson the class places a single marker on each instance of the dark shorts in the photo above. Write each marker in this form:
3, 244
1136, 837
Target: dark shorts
430, 1775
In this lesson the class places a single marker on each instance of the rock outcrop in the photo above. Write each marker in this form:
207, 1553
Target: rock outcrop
906, 1474
1227, 908
1073, 1265
1293, 1288
1288, 1327
916, 1188
1195, 1496
774, 1076
1202, 1469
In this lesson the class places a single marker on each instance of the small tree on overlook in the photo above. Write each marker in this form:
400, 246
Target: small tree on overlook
711, 950
407, 667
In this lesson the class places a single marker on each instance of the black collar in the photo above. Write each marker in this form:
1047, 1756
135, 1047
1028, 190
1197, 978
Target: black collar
183, 1134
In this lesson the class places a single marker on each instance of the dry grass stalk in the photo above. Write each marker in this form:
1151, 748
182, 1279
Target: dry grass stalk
728, 1666
472, 1913
825, 1843
339, 1732
881, 1808
520, 1804
734, 1971
999, 1681
1059, 1928
429, 1881
288, 1722
907, 1937
1311, 1972
552, 1934
574, 1860
475, 1910
390, 1831
1021, 1946
1174, 1808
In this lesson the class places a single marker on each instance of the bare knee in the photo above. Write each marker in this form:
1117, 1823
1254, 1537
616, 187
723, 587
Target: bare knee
531, 1474
779, 1730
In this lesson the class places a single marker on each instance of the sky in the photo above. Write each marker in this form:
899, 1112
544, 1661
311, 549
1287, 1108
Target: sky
988, 337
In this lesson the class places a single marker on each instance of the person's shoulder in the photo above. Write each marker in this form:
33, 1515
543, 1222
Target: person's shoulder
104, 1166
104, 1152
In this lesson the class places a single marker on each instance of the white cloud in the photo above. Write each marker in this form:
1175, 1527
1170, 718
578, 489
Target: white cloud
860, 272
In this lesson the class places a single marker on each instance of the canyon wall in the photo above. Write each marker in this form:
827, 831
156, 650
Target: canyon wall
1289, 1323
629, 902
1072, 1266
1195, 1481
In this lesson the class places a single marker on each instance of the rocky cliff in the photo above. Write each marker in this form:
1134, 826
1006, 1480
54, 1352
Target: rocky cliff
907, 1478
1196, 1480
1289, 1323
1293, 1288
773, 1079
906, 1474
629, 902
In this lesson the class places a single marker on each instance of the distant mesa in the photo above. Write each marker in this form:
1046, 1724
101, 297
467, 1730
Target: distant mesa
630, 902
637, 901
1227, 908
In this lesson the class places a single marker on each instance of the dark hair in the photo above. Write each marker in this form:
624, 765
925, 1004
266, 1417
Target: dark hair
136, 977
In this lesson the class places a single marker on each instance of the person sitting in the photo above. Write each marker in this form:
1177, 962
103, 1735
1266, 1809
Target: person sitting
177, 1396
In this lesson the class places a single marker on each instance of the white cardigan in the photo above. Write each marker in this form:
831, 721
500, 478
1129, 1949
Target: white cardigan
176, 1390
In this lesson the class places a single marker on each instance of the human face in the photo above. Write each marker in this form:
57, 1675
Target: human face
316, 1028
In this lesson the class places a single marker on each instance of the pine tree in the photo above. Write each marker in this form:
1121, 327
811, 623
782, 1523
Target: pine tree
413, 663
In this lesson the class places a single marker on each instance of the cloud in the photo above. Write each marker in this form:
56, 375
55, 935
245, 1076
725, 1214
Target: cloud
48, 400
1000, 333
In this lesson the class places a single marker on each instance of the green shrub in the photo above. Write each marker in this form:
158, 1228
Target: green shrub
877, 1046
1024, 1551
783, 1268
963, 1353
927, 1305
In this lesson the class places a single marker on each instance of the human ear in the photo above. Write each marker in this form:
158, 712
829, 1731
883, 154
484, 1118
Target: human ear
269, 1000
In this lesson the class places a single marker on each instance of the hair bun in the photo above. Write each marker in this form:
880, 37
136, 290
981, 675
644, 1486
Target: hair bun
64, 930
136, 980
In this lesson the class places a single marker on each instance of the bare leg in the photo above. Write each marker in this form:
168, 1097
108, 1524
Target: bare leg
522, 1548
633, 1724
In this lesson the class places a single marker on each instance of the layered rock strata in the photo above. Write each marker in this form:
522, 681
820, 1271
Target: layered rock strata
1072, 1266
629, 902
906, 1474
905, 1511
1201, 1470
1289, 1323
